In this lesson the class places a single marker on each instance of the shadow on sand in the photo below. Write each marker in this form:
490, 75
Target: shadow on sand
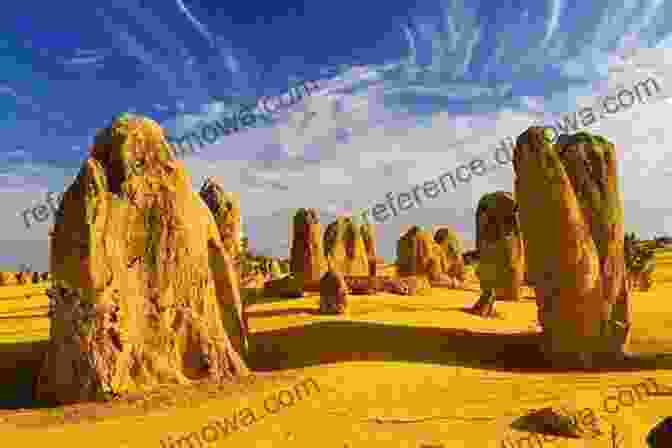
330, 342
339, 341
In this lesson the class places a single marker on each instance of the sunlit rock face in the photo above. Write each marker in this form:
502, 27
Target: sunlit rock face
571, 215
143, 287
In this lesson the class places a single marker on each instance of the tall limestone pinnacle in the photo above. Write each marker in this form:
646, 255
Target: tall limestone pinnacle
571, 214
142, 283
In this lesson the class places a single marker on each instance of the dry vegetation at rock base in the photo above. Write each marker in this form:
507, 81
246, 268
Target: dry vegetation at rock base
407, 368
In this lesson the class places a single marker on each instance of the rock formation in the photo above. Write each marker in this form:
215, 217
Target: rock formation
661, 434
9, 278
417, 254
363, 285
369, 236
370, 285
24, 278
640, 263
225, 207
288, 286
333, 293
416, 284
571, 214
395, 286
501, 267
143, 289
344, 248
253, 281
307, 261
451, 245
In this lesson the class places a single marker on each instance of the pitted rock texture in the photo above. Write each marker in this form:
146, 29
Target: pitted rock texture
143, 288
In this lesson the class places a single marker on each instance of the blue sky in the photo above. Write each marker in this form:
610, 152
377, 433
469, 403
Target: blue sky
408, 90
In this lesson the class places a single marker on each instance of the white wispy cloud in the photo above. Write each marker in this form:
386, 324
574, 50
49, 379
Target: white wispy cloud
202, 29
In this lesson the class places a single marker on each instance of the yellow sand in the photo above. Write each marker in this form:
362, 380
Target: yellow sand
476, 404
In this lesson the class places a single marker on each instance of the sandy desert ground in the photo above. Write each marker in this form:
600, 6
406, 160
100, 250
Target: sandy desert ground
394, 372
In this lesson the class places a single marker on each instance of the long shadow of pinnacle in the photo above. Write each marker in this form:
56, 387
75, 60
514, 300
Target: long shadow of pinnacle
331, 342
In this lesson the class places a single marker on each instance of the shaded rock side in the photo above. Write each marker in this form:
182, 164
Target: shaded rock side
419, 254
499, 243
451, 245
289, 286
225, 207
661, 434
333, 293
572, 217
369, 236
395, 286
24, 278
363, 285
416, 284
307, 261
253, 281
142, 284
368, 232
344, 248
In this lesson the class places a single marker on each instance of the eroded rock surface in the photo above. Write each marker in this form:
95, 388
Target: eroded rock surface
571, 214
418, 254
499, 242
307, 261
225, 207
333, 293
24, 278
142, 284
451, 245
9, 278
345, 249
